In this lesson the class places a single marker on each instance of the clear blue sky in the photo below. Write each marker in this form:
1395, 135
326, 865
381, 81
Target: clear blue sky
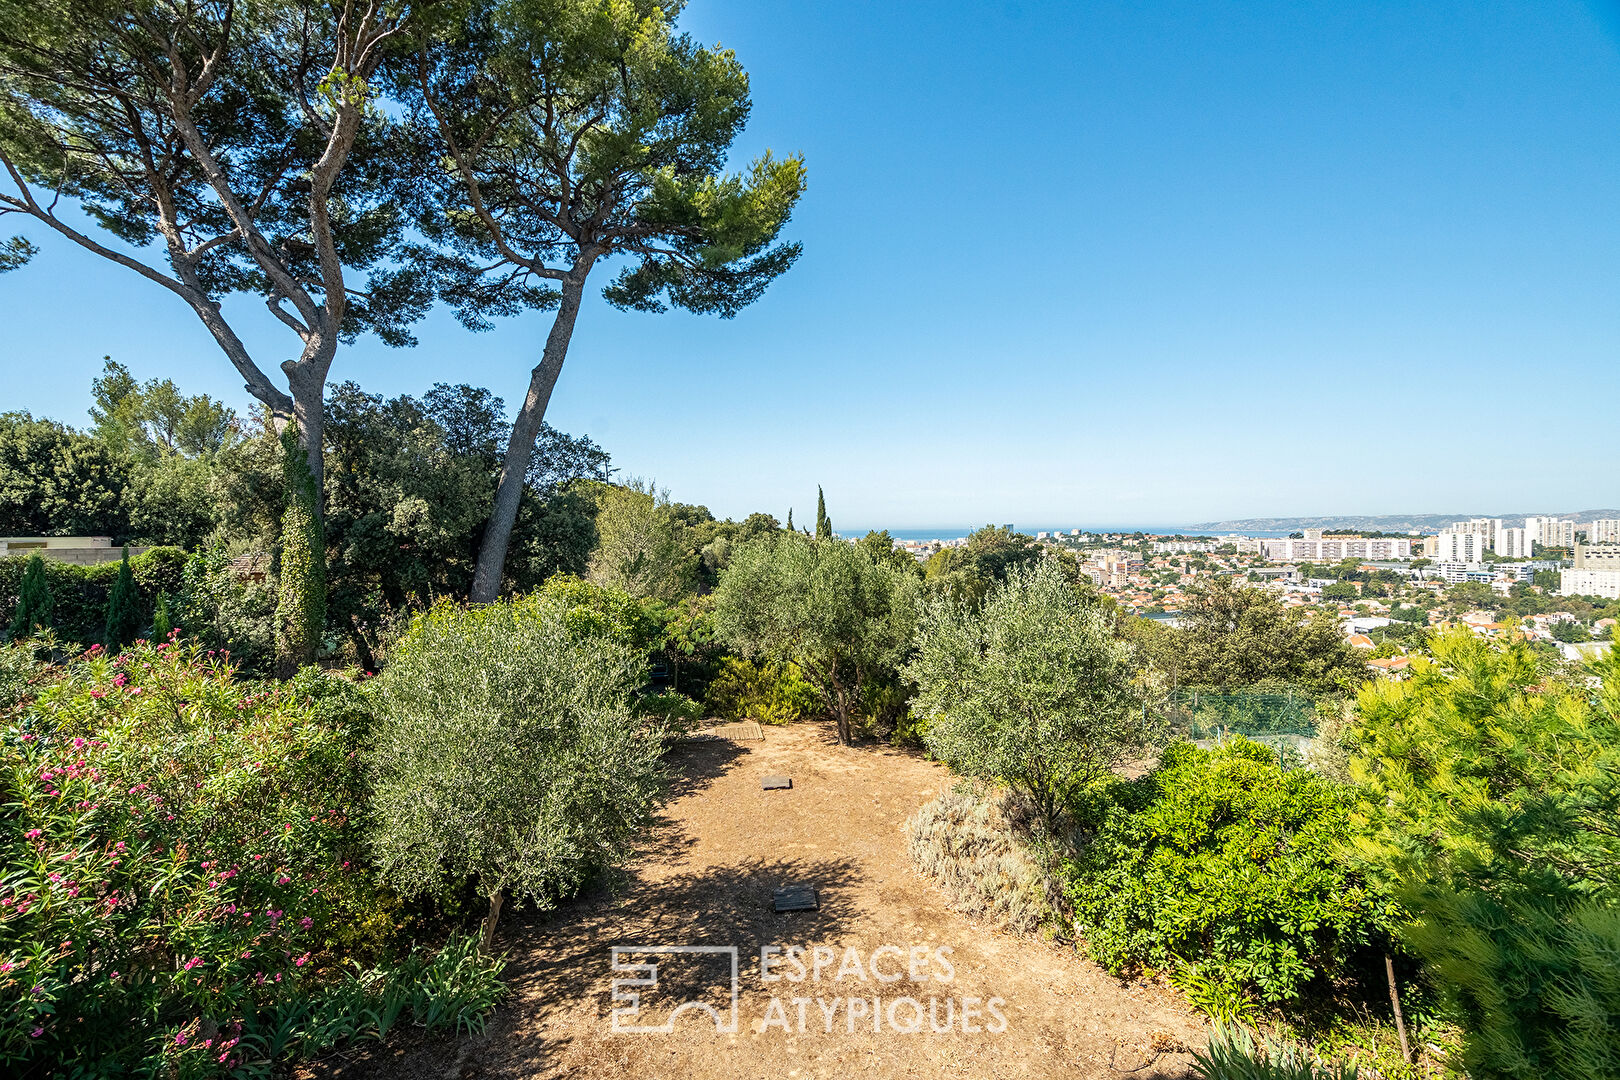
1081, 262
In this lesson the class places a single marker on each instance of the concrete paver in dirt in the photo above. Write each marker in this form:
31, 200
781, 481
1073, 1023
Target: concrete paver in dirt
883, 980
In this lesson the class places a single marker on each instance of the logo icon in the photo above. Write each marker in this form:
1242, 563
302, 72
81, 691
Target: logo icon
643, 978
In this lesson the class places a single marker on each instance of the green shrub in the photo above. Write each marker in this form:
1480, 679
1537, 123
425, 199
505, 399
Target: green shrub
1224, 867
967, 842
772, 693
507, 752
123, 608
301, 599
1493, 798
673, 714
183, 860
34, 602
79, 593
214, 607
1241, 1053
1031, 689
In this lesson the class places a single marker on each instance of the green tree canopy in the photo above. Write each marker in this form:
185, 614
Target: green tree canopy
1033, 688
1234, 636
574, 132
1492, 802
828, 607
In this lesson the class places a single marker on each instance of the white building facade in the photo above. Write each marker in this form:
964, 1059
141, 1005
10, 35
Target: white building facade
1604, 583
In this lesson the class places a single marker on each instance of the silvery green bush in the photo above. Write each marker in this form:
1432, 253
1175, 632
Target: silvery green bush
506, 751
1033, 689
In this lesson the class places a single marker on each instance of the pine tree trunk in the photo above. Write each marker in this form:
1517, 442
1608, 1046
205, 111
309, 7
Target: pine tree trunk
520, 448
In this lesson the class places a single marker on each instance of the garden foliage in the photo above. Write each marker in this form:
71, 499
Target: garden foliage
507, 751
966, 840
79, 594
185, 873
1493, 805
772, 693
1221, 866
1032, 689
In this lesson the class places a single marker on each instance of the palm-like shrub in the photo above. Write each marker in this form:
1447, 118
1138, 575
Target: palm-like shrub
507, 752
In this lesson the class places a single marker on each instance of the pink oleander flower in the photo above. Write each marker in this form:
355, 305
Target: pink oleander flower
301, 961
193, 962
118, 679
33, 834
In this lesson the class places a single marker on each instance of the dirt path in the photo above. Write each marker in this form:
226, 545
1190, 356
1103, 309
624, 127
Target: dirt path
706, 879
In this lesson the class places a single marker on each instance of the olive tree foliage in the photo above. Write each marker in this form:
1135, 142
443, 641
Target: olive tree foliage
506, 752
216, 148
1032, 688
573, 132
829, 607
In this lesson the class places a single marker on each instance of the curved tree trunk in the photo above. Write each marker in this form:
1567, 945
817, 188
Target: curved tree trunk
520, 448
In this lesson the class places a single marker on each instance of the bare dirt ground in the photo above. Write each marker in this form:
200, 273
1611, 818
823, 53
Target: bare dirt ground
706, 879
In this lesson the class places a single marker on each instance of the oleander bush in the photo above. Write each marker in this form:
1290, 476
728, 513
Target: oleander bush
1225, 870
185, 877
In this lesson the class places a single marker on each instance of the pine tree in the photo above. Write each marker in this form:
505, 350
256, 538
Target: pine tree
123, 608
33, 602
823, 522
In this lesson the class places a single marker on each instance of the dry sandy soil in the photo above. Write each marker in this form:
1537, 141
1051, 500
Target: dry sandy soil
706, 878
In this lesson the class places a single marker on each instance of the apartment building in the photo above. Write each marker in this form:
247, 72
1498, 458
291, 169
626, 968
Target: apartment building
1604, 531
1460, 547
1513, 543
1604, 583
1597, 556
1317, 546
1551, 531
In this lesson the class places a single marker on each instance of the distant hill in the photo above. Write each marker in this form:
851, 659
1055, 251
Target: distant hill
1388, 522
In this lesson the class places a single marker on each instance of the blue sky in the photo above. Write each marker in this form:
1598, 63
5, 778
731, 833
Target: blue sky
1080, 263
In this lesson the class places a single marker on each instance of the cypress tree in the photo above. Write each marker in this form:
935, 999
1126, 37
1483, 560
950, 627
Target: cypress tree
823, 522
301, 601
162, 621
33, 601
790, 519
123, 608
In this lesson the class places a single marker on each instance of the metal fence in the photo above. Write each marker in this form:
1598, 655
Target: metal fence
1202, 714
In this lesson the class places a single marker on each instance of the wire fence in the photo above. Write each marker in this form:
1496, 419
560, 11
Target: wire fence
1256, 714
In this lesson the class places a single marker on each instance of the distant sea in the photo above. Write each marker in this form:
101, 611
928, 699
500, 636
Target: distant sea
953, 533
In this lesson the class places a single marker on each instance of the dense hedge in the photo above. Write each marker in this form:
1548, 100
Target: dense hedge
80, 593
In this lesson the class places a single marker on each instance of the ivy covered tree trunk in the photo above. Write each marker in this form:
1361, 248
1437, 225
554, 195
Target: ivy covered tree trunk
301, 600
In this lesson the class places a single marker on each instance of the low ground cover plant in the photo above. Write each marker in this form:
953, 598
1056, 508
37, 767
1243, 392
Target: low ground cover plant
185, 871
966, 841
1225, 870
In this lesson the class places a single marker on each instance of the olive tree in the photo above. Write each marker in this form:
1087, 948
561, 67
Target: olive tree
572, 133
1033, 688
827, 606
506, 752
